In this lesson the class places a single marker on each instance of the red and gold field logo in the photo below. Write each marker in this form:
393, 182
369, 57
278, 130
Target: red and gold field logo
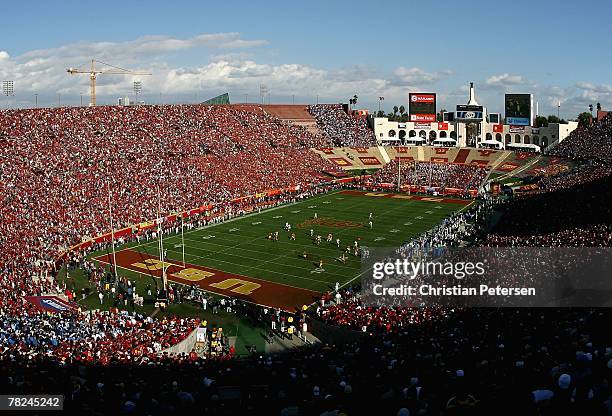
507, 167
484, 152
327, 150
523, 156
340, 161
441, 150
329, 222
369, 160
360, 149
439, 159
481, 163
401, 149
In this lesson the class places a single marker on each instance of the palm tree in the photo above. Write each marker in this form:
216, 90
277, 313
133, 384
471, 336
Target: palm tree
402, 110
395, 110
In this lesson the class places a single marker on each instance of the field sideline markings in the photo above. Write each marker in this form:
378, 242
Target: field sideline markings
244, 216
202, 288
227, 248
276, 257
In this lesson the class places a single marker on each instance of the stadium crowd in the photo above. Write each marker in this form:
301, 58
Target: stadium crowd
432, 175
406, 362
341, 128
59, 167
479, 362
592, 142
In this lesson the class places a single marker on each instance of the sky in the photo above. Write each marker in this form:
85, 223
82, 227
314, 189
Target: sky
303, 51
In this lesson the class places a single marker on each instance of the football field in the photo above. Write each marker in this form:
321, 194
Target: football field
236, 258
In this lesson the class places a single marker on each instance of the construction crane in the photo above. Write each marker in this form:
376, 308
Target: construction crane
93, 74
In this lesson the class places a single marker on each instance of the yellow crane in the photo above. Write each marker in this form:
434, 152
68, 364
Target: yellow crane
93, 74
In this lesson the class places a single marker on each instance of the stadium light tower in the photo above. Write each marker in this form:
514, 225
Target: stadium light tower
8, 90
380, 100
263, 90
137, 89
110, 215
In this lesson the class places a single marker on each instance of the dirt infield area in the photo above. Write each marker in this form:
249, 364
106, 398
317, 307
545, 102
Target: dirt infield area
258, 291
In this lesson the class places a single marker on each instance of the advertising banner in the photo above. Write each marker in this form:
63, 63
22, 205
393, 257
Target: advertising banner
422, 107
52, 304
518, 109
469, 112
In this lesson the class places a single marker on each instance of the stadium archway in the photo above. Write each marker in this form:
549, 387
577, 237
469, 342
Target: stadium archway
423, 134
526, 139
536, 140
544, 142
432, 135
453, 135
498, 137
391, 133
489, 136
508, 139
517, 138
412, 133
402, 135
443, 134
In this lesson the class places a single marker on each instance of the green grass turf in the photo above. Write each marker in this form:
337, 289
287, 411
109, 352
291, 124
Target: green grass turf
241, 245
246, 333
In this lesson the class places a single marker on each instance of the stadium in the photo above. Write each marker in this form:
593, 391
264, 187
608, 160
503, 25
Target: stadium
219, 258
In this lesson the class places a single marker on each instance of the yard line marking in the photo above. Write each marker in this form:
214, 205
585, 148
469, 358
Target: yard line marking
208, 237
231, 230
395, 230
256, 223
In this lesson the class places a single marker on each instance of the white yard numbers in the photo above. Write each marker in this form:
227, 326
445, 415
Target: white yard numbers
395, 230
277, 217
419, 217
256, 223
379, 238
208, 237
408, 223
233, 230
296, 211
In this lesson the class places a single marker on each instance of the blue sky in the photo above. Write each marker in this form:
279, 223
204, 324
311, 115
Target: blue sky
558, 50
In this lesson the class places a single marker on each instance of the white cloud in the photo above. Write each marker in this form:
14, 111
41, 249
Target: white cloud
505, 81
417, 76
597, 89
